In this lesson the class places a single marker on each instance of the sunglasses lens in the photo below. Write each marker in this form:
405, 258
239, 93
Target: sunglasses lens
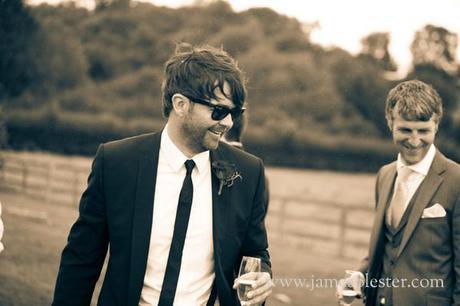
220, 113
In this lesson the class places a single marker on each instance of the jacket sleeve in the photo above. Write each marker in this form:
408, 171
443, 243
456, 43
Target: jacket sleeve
255, 243
83, 256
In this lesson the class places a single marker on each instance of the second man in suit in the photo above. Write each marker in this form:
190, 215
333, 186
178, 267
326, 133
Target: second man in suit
414, 253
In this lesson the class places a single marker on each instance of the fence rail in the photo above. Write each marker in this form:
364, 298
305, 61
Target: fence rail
59, 180
324, 227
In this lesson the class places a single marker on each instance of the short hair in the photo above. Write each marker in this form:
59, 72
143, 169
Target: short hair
414, 100
196, 72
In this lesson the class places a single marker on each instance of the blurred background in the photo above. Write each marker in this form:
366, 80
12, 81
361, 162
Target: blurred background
75, 74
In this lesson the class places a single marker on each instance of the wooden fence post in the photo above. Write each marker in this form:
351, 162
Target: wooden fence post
282, 218
343, 228
48, 193
24, 176
76, 191
2, 168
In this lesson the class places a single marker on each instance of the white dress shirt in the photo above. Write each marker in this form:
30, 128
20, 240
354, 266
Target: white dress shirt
197, 269
419, 171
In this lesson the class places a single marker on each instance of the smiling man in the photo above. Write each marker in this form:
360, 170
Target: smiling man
177, 209
414, 254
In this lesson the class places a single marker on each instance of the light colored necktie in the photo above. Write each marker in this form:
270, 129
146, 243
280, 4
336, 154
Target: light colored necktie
401, 194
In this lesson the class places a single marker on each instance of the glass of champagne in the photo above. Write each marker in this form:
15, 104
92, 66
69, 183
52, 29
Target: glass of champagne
349, 294
248, 265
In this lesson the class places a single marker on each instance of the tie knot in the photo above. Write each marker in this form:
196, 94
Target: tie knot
404, 172
189, 165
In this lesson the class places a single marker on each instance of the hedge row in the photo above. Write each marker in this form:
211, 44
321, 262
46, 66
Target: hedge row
80, 134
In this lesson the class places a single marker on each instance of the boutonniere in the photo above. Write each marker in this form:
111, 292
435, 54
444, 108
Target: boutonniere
226, 172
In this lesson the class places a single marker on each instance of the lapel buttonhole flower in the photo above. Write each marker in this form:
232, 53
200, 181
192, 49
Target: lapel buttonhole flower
226, 172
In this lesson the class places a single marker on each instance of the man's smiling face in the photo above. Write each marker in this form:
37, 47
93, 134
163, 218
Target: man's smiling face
412, 138
204, 133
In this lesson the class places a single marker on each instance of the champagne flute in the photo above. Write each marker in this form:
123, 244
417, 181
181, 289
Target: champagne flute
248, 265
349, 294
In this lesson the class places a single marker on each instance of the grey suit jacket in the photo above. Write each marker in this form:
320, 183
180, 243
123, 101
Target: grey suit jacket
430, 247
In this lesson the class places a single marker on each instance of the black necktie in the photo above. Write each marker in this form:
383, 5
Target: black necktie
168, 290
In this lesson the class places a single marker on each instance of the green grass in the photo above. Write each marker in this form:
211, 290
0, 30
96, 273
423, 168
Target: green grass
29, 263
36, 233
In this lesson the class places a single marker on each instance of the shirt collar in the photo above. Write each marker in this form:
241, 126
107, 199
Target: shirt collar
176, 158
422, 166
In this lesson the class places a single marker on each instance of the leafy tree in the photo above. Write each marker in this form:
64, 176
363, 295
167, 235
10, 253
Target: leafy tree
272, 22
18, 31
435, 46
362, 84
59, 53
236, 40
102, 72
375, 47
114, 4
434, 61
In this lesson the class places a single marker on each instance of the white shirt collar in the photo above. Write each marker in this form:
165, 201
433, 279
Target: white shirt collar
422, 166
176, 158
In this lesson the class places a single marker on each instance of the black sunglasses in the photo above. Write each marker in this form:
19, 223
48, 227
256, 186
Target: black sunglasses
219, 112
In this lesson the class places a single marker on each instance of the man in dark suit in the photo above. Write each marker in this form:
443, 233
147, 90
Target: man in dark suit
176, 209
414, 254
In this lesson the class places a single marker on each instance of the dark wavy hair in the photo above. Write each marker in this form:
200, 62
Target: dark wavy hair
196, 72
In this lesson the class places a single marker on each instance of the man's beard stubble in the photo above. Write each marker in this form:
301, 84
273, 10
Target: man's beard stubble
195, 138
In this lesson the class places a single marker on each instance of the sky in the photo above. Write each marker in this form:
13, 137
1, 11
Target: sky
344, 23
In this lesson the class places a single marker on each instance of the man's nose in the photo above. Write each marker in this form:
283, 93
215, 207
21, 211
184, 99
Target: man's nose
227, 121
415, 140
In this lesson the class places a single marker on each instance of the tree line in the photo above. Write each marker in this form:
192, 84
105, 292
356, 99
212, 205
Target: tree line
72, 77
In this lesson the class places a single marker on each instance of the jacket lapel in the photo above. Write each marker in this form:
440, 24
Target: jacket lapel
220, 204
427, 189
384, 192
142, 216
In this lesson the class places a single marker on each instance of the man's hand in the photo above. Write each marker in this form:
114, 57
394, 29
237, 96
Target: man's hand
261, 287
354, 282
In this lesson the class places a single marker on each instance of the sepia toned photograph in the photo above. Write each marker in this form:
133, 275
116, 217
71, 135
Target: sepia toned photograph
229, 152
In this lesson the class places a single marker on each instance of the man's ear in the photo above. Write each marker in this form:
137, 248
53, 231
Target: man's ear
180, 104
390, 123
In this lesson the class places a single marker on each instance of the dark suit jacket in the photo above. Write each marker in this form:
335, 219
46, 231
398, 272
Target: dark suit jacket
116, 211
430, 247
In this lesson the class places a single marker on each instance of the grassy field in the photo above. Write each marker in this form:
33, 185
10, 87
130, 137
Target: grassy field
36, 232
